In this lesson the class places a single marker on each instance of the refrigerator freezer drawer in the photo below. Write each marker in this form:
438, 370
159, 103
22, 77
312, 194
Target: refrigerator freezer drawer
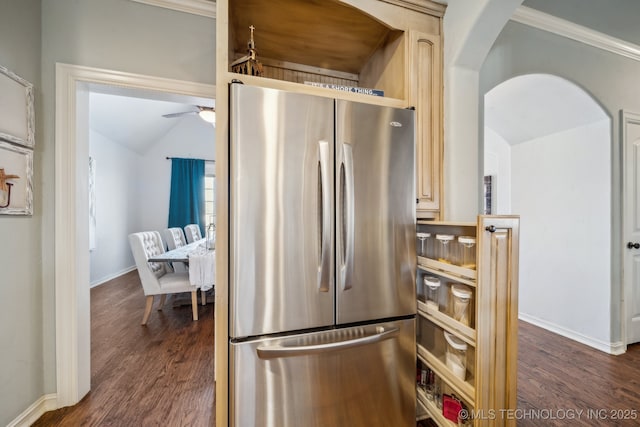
356, 376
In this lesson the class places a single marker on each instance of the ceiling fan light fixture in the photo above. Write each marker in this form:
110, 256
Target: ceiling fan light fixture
208, 116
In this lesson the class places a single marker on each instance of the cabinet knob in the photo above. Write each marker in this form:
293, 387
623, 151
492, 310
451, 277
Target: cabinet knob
491, 228
632, 245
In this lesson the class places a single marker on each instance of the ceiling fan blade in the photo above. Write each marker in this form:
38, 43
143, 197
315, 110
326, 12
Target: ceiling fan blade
184, 113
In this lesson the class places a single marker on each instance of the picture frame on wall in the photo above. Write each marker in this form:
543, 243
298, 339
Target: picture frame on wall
17, 117
16, 179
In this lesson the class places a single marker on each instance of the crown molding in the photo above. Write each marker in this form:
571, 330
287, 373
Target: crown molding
543, 21
424, 6
195, 7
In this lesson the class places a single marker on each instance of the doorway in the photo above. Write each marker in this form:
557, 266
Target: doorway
130, 138
631, 230
547, 149
73, 86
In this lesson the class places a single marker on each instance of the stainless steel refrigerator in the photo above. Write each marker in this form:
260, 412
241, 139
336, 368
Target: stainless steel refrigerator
322, 261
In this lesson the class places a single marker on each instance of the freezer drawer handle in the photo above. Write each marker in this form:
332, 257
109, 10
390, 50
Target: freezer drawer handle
277, 351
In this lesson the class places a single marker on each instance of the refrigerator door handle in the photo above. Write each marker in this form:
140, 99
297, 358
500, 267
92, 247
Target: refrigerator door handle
346, 217
280, 351
324, 217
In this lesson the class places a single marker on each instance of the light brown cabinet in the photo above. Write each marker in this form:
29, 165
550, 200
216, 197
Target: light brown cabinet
394, 46
474, 357
426, 95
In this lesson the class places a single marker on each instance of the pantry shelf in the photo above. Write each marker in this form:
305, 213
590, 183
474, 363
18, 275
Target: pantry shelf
432, 410
464, 389
462, 274
473, 358
447, 323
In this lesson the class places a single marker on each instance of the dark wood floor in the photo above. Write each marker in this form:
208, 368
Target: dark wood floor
162, 374
564, 377
155, 375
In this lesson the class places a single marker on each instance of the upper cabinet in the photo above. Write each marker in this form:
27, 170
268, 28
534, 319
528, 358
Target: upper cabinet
319, 41
353, 43
426, 93
393, 46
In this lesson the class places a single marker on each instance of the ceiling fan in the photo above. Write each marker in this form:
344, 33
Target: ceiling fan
208, 114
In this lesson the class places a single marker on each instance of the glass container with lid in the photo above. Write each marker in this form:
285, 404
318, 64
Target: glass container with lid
456, 355
444, 251
432, 289
459, 303
424, 242
467, 252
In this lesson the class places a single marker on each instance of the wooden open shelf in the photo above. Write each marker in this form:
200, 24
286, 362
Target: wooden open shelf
447, 323
432, 410
449, 271
321, 41
464, 389
306, 32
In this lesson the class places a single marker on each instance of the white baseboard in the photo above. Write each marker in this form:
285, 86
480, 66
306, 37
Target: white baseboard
111, 276
46, 403
614, 348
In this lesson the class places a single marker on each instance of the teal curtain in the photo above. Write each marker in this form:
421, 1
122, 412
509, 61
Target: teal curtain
186, 200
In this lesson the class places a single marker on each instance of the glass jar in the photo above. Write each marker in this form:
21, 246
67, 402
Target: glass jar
467, 252
459, 303
432, 289
423, 242
437, 392
456, 355
444, 251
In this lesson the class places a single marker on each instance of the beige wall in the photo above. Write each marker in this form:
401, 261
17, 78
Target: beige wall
34, 35
21, 371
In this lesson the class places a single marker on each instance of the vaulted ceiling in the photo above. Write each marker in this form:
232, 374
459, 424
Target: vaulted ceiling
536, 105
137, 122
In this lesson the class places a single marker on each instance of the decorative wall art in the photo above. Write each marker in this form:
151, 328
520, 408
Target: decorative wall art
16, 180
17, 117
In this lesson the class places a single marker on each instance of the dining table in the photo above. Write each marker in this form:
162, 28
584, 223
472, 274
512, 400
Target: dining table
206, 258
180, 254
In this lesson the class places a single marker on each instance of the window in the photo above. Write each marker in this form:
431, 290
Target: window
210, 199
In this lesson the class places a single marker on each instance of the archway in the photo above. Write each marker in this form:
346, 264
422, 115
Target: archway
547, 149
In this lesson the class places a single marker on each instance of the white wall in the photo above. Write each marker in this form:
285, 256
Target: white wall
191, 138
116, 207
497, 162
561, 187
132, 190
470, 28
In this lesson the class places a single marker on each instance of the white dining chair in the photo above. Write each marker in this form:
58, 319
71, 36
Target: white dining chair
174, 238
156, 277
192, 231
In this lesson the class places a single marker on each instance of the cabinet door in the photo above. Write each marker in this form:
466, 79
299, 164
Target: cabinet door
497, 321
281, 211
426, 96
375, 217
